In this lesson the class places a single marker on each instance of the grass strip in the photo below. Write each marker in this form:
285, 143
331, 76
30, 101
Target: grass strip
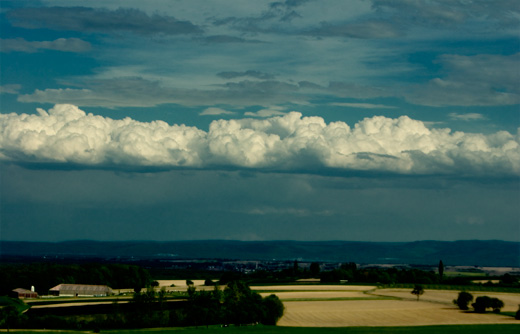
338, 298
445, 329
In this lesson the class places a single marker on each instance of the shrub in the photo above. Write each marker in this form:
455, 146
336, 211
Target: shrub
484, 302
517, 315
496, 304
418, 290
272, 310
463, 300
481, 303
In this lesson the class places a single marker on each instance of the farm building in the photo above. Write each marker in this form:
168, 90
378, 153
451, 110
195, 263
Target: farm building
80, 290
23, 293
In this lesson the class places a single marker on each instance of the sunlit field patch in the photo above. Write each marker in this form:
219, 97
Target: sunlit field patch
380, 313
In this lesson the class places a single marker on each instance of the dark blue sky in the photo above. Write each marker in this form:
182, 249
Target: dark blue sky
259, 120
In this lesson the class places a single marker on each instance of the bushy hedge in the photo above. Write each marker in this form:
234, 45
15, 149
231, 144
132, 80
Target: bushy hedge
484, 302
236, 304
463, 300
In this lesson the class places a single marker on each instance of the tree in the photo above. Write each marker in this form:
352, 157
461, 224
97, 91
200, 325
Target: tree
484, 302
333, 276
349, 266
208, 282
241, 305
204, 307
189, 282
418, 290
508, 279
496, 304
481, 303
463, 300
315, 269
517, 315
9, 316
272, 310
296, 267
441, 270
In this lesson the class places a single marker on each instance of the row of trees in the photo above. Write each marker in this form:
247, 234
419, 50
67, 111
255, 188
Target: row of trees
237, 304
350, 273
481, 304
346, 272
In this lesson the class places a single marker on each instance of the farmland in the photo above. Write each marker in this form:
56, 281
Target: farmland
445, 329
339, 306
310, 302
368, 306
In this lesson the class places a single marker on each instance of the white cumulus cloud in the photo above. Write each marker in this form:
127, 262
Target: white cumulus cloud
66, 134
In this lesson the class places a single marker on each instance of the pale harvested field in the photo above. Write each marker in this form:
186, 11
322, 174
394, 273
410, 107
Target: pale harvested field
289, 295
314, 288
380, 313
511, 300
179, 283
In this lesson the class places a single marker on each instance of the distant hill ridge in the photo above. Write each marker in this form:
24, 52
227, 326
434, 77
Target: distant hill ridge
464, 252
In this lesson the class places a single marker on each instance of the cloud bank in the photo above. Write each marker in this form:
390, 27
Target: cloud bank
66, 134
100, 20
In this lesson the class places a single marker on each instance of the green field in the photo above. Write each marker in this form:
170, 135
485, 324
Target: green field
448, 329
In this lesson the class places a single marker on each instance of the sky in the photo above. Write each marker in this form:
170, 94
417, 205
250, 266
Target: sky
260, 120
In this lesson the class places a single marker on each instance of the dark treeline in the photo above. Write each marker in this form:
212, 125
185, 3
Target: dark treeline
350, 273
44, 276
236, 305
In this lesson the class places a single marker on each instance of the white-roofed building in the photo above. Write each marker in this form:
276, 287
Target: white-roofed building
80, 290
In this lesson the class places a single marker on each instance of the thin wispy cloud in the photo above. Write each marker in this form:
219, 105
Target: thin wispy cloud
213, 111
10, 89
467, 117
268, 112
362, 105
298, 212
60, 44
250, 73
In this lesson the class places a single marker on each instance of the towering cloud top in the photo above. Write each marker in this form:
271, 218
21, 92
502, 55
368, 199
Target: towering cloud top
66, 134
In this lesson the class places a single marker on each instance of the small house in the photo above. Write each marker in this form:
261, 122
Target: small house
23, 293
